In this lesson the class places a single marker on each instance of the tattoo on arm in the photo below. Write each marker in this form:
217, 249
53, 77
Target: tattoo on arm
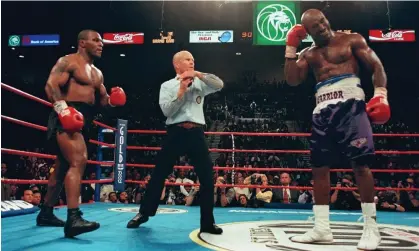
61, 67
56, 74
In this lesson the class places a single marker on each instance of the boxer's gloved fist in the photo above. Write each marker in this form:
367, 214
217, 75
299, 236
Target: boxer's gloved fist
117, 97
71, 119
378, 108
294, 37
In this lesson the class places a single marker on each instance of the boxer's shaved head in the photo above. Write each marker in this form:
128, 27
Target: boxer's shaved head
183, 61
317, 25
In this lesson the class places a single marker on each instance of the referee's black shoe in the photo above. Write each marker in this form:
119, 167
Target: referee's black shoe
212, 229
137, 221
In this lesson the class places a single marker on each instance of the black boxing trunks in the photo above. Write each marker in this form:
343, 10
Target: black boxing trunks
341, 128
54, 124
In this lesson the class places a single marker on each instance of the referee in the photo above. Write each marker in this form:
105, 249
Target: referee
181, 100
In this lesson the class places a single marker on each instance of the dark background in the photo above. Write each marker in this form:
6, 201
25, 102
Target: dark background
146, 66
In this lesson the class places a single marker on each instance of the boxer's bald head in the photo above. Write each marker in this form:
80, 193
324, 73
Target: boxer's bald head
317, 25
183, 61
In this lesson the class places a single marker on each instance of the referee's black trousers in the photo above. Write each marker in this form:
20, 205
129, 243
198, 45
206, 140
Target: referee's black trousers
179, 141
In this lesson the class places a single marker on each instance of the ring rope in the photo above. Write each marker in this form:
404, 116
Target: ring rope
272, 134
42, 182
274, 187
155, 148
24, 123
17, 181
29, 96
251, 169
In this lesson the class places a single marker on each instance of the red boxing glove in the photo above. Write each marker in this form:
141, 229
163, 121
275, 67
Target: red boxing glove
294, 37
71, 119
378, 108
117, 97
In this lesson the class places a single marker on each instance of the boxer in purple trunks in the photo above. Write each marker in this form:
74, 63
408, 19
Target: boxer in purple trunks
341, 118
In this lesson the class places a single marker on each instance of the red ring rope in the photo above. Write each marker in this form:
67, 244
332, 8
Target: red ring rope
42, 182
251, 169
272, 134
104, 181
29, 96
148, 148
274, 187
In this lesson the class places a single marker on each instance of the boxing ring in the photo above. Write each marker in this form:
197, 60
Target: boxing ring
177, 227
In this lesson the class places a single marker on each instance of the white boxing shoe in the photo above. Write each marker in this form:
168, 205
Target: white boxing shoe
321, 233
370, 239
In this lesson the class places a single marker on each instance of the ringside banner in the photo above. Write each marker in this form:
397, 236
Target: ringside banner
392, 36
211, 36
41, 40
123, 38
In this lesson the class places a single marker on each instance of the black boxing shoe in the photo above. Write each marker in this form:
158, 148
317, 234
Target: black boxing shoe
76, 225
214, 229
46, 218
137, 221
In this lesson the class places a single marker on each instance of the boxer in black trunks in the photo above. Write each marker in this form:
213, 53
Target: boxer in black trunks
71, 87
341, 119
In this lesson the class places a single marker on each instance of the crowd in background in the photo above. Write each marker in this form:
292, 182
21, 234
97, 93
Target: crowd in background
266, 106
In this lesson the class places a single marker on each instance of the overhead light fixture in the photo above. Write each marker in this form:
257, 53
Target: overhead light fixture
72, 47
122, 55
21, 56
238, 53
13, 48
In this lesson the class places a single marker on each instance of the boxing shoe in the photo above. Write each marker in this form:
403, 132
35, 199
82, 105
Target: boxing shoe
46, 218
76, 225
137, 221
213, 229
370, 239
321, 233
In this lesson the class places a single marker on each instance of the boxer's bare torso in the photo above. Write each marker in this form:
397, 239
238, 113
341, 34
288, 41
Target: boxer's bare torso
334, 59
84, 79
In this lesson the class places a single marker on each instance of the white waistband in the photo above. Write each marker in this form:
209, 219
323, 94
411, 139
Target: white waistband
345, 89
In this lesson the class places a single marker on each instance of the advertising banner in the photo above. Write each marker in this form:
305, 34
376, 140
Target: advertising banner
392, 36
273, 20
211, 36
41, 40
120, 155
164, 38
123, 38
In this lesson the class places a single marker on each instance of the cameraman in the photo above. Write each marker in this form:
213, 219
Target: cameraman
307, 196
346, 200
408, 199
259, 196
387, 201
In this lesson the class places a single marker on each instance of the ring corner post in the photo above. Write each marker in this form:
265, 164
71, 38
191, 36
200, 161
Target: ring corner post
120, 155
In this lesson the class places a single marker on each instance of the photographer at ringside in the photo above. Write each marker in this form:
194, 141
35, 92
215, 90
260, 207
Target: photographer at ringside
387, 201
259, 196
345, 200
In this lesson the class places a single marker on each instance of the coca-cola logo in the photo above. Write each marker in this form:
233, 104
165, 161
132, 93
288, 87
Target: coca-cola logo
393, 34
124, 37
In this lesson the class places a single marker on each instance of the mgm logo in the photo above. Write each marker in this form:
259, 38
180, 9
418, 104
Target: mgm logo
275, 235
274, 21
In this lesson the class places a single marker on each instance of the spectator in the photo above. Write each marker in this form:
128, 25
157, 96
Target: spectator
36, 199
112, 198
27, 196
285, 195
243, 200
345, 200
123, 197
